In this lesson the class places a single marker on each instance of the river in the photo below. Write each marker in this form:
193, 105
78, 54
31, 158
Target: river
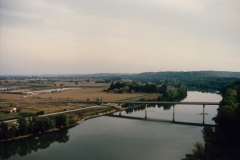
119, 138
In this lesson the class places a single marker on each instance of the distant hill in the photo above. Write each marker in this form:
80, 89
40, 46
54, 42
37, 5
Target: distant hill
149, 76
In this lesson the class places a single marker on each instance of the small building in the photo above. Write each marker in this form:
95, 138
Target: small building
10, 109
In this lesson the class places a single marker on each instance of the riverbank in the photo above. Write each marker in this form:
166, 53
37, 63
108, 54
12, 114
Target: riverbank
79, 121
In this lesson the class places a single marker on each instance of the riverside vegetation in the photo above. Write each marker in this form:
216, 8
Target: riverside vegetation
33, 125
222, 142
28, 126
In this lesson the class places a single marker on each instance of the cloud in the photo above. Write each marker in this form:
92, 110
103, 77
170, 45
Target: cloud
118, 36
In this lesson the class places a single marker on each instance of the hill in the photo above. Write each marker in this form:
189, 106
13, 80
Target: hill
150, 76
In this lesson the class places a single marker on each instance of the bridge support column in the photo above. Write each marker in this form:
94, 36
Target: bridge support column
146, 111
173, 113
203, 114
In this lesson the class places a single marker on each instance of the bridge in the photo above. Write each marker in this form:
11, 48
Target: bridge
146, 103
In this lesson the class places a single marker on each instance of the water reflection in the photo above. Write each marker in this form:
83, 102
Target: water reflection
203, 90
182, 113
26, 146
142, 107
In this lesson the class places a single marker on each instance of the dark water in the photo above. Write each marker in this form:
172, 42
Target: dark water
115, 138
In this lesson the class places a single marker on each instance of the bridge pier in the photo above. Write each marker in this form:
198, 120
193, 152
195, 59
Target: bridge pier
146, 111
204, 114
173, 113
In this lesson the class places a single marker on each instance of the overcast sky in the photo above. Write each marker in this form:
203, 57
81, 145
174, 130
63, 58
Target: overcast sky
118, 36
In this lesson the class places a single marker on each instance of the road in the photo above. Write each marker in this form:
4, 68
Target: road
56, 113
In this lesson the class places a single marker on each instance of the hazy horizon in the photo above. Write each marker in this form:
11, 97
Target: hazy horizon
86, 37
62, 74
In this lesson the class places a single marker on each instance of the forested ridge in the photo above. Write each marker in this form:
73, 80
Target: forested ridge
195, 79
150, 76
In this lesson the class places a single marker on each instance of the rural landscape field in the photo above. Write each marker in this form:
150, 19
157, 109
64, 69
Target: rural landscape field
15, 91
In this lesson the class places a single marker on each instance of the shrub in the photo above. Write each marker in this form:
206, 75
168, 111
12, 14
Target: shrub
40, 113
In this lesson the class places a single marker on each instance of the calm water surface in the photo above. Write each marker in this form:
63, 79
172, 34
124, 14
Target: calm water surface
117, 138
183, 113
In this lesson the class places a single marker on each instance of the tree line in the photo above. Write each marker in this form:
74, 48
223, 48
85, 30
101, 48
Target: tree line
174, 92
120, 87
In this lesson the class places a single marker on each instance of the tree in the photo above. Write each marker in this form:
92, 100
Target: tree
62, 120
40, 113
163, 89
23, 126
7, 130
197, 154
229, 100
43, 124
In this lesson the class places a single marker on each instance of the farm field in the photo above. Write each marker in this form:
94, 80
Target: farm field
84, 91
91, 94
